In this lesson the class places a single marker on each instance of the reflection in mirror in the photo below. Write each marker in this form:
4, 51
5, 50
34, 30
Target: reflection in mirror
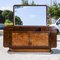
30, 15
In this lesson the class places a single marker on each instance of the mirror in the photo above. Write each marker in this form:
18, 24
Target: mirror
30, 15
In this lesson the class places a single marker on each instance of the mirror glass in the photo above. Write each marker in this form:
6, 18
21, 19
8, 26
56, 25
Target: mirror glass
30, 15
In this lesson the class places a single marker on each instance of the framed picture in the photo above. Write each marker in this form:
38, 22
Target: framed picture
30, 15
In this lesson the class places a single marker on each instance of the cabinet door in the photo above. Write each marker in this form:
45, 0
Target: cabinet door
39, 39
20, 39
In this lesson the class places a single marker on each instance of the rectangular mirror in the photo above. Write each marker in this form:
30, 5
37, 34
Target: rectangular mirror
30, 15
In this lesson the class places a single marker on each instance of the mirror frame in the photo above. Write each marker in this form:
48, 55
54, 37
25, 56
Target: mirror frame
27, 5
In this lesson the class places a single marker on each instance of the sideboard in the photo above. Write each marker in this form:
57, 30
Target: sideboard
30, 38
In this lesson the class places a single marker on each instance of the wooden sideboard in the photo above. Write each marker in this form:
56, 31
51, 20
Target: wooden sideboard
30, 38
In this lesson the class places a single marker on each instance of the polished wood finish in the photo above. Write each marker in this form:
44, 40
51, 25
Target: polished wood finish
30, 41
30, 38
39, 38
9, 29
20, 38
30, 50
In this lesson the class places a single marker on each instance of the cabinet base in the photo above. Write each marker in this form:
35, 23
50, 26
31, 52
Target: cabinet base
29, 50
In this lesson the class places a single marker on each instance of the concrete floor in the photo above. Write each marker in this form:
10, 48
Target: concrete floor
4, 55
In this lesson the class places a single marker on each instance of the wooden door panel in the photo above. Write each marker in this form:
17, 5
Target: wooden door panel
39, 39
20, 39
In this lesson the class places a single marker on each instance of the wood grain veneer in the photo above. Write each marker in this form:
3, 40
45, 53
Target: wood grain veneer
9, 29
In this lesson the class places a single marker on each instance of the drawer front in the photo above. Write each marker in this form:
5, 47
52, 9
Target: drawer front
39, 39
20, 38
